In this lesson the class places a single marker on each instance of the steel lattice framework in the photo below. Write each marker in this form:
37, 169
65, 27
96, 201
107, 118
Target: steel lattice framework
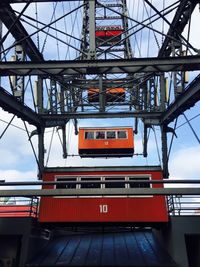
96, 63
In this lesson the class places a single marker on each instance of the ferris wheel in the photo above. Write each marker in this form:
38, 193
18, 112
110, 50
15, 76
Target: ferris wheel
62, 62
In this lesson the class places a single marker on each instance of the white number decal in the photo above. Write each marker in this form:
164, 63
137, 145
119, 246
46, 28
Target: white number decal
103, 208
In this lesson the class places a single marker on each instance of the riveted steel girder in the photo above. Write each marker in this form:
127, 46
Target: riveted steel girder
9, 18
183, 102
70, 67
60, 119
181, 18
11, 104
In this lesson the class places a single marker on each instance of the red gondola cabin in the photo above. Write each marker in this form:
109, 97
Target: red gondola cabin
82, 208
108, 35
106, 142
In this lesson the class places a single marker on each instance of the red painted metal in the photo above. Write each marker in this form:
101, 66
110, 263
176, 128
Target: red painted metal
108, 33
18, 211
104, 209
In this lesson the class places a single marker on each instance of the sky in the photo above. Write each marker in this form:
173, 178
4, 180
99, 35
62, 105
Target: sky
17, 161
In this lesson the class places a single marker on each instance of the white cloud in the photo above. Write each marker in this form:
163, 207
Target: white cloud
16, 176
15, 149
185, 163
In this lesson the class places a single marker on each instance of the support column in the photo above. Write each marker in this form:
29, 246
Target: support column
39, 95
102, 95
163, 128
92, 48
17, 81
145, 141
40, 152
162, 93
41, 130
164, 151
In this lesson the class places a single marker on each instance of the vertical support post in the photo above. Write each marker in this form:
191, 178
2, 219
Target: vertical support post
134, 97
53, 97
145, 107
17, 81
62, 109
136, 126
39, 93
127, 44
163, 128
76, 126
102, 96
64, 145
62, 99
92, 48
162, 93
178, 76
145, 141
40, 129
40, 151
144, 95
164, 151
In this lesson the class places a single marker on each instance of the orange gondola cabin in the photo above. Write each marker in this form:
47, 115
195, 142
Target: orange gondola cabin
106, 142
111, 95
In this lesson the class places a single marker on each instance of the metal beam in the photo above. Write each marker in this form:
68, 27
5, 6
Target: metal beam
71, 67
11, 104
89, 169
100, 192
52, 120
92, 26
181, 18
183, 102
135, 181
8, 17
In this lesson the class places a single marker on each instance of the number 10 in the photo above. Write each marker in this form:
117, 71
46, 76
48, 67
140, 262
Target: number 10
103, 208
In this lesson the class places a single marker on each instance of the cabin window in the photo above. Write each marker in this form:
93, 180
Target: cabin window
67, 185
89, 135
111, 135
113, 184
90, 183
100, 135
139, 185
121, 134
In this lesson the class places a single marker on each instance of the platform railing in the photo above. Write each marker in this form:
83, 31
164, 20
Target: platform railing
182, 205
19, 207
181, 201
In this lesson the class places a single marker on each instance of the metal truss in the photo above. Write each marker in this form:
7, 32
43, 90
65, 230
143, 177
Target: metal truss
16, 28
184, 102
181, 18
116, 66
13, 105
